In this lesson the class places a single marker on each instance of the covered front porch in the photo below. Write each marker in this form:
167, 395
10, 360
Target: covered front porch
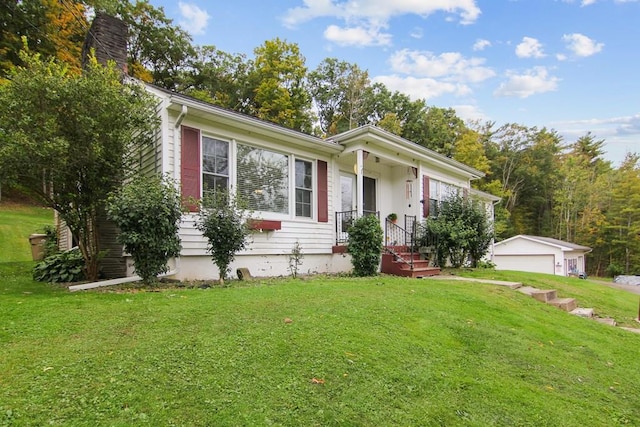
377, 177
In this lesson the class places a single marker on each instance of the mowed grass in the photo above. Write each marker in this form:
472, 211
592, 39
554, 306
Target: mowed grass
366, 352
17, 222
380, 351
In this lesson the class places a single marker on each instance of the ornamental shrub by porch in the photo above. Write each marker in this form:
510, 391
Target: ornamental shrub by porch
365, 245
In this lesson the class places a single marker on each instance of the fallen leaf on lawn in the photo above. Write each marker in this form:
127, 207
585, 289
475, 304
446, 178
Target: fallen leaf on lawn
317, 381
287, 320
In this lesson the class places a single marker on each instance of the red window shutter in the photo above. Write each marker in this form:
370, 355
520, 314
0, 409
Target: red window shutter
425, 196
323, 193
190, 165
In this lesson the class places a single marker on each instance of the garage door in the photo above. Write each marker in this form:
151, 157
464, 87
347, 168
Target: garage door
532, 263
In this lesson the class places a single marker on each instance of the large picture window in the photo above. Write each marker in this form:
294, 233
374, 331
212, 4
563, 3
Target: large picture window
215, 165
304, 188
263, 179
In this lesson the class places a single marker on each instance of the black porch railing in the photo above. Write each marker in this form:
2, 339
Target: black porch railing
343, 222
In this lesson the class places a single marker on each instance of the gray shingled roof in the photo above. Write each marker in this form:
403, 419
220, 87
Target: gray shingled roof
557, 242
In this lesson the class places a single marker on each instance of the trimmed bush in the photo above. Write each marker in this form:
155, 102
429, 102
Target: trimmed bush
148, 210
365, 245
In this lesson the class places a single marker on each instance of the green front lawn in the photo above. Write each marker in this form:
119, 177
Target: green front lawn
366, 352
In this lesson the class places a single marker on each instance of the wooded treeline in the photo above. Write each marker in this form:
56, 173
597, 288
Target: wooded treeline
549, 187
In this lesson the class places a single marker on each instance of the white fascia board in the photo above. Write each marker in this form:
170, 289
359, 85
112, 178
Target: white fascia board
230, 118
410, 149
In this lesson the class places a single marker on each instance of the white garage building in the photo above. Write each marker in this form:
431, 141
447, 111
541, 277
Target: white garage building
539, 255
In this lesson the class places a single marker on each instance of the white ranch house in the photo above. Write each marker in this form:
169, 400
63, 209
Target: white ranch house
303, 189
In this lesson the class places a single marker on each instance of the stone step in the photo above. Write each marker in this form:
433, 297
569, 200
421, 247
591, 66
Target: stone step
606, 320
566, 304
583, 312
545, 295
527, 290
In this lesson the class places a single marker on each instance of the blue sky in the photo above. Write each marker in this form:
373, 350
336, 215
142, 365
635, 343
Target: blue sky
569, 65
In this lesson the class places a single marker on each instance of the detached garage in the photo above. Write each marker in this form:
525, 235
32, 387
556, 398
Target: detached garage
539, 255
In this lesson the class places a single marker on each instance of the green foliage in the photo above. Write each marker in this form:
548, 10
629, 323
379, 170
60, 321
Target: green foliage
147, 210
462, 231
71, 138
62, 267
278, 77
485, 264
223, 221
614, 270
365, 245
295, 259
51, 241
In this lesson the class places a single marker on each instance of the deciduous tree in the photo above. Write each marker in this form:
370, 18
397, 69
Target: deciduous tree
70, 138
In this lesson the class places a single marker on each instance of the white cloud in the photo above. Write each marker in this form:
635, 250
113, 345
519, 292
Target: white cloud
380, 10
581, 45
421, 88
481, 44
450, 66
417, 33
371, 15
357, 36
621, 134
469, 112
533, 81
623, 125
194, 20
529, 48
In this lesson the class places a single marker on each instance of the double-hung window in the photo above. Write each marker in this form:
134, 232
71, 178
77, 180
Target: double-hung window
304, 188
215, 165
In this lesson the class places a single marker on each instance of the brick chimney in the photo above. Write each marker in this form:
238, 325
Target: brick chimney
108, 37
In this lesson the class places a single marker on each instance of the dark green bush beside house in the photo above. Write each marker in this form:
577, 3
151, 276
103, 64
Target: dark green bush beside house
365, 245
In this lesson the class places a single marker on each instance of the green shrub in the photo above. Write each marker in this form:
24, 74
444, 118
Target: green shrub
614, 270
223, 222
365, 245
51, 241
485, 264
148, 210
61, 267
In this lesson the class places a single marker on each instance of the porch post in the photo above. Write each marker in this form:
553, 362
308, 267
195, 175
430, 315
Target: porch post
359, 182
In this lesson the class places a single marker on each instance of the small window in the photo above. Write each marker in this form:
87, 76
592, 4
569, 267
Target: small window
215, 165
304, 184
